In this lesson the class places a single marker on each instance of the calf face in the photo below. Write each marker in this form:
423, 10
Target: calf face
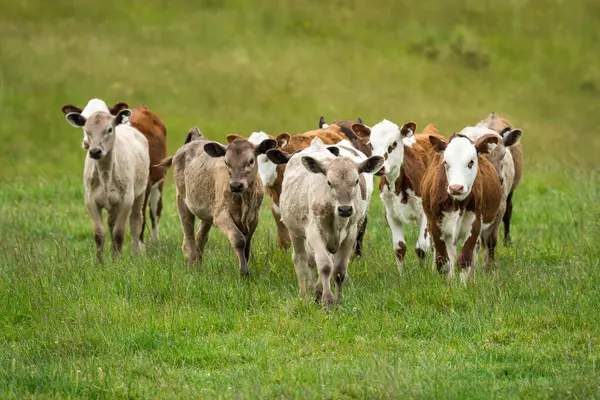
240, 159
266, 169
343, 179
99, 130
386, 141
460, 161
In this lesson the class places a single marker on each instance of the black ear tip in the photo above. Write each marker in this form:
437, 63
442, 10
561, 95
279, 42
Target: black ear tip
359, 120
321, 121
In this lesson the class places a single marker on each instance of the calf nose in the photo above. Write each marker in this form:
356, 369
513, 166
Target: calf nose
457, 189
95, 153
501, 180
345, 211
236, 187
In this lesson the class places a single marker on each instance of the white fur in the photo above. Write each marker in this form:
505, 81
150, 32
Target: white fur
93, 106
457, 156
266, 169
383, 135
455, 228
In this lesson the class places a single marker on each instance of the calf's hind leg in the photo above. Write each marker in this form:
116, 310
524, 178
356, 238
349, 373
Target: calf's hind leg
188, 247
507, 217
300, 257
201, 237
136, 221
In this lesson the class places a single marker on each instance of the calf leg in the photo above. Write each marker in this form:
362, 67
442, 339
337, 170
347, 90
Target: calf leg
300, 256
156, 207
441, 260
467, 257
340, 267
506, 218
423, 244
187, 219
201, 238
99, 232
362, 229
325, 267
119, 219
136, 221
398, 239
283, 235
251, 231
146, 194
237, 240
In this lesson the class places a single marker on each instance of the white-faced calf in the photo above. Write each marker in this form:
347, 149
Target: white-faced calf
220, 186
321, 206
461, 194
115, 176
406, 159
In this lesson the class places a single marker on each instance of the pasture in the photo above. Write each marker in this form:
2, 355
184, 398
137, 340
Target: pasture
150, 327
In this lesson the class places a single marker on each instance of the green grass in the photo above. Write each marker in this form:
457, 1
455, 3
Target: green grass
151, 327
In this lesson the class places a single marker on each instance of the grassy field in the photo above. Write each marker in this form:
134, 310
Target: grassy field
150, 327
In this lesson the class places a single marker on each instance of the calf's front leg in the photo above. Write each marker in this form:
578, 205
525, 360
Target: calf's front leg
99, 232
187, 219
325, 268
119, 217
466, 259
398, 238
237, 239
340, 267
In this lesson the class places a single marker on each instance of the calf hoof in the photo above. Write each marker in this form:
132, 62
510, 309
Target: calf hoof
245, 272
420, 254
318, 292
327, 301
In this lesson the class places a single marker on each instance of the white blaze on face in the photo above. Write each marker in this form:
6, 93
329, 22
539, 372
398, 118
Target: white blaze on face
266, 169
93, 106
460, 161
385, 136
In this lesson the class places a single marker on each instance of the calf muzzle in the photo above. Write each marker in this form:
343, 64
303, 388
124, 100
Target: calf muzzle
345, 211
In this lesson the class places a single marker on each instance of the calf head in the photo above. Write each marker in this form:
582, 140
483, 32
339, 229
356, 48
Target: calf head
356, 132
240, 158
94, 105
343, 179
386, 141
460, 161
99, 130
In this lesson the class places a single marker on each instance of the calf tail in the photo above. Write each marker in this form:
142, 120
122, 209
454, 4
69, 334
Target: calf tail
165, 163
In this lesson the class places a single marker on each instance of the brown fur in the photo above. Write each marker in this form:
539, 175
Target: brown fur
360, 140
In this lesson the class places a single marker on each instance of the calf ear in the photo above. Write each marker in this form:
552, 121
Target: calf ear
322, 122
283, 139
278, 156
75, 119
359, 120
314, 166
512, 137
361, 131
231, 138
371, 165
334, 150
70, 108
486, 143
215, 149
114, 110
122, 116
265, 146
193, 134
408, 129
439, 145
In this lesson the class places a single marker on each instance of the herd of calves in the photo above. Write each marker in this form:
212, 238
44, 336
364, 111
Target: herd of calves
320, 183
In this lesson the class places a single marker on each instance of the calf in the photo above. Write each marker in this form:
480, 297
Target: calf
406, 159
504, 128
321, 206
501, 159
150, 125
115, 176
356, 132
220, 186
461, 194
272, 175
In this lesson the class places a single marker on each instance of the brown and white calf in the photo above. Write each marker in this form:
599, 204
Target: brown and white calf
115, 176
272, 175
501, 159
321, 205
504, 128
151, 126
220, 186
406, 159
461, 195
356, 132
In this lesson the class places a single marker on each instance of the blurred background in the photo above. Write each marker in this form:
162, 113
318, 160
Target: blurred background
233, 66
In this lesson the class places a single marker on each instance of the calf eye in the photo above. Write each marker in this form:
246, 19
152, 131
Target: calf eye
329, 183
471, 164
356, 182
390, 149
109, 130
251, 161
